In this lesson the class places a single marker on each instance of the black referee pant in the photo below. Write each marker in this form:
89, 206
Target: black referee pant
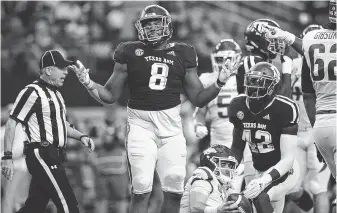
49, 180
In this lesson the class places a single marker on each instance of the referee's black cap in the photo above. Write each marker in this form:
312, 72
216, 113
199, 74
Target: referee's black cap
54, 58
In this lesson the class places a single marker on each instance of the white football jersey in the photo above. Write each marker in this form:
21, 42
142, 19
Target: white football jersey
304, 122
220, 128
319, 47
215, 198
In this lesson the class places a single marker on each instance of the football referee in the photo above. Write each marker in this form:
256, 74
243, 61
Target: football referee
41, 109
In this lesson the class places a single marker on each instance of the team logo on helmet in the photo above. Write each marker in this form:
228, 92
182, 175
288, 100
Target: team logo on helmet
139, 52
240, 115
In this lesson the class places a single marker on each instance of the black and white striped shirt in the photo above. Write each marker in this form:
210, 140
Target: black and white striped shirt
40, 107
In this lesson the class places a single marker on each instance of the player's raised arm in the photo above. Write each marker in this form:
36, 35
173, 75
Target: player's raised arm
111, 91
199, 95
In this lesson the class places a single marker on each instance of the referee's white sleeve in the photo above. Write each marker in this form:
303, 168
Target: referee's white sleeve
24, 105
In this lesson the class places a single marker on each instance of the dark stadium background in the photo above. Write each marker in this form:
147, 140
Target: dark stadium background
90, 31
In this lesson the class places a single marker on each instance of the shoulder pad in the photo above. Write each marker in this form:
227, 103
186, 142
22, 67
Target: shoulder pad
290, 109
125, 50
186, 53
202, 174
240, 99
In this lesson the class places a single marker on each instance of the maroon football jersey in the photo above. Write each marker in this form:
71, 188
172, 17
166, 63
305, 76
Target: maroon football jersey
155, 77
262, 131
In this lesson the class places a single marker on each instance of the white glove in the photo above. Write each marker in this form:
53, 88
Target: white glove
7, 169
228, 69
201, 131
88, 142
82, 74
277, 33
256, 186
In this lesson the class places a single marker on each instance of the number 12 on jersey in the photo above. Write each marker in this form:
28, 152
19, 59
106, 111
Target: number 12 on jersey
262, 147
158, 79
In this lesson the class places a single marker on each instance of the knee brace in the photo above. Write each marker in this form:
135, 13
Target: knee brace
174, 180
141, 185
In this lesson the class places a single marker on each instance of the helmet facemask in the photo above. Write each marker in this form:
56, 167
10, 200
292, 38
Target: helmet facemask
154, 29
332, 11
276, 46
257, 85
224, 168
219, 58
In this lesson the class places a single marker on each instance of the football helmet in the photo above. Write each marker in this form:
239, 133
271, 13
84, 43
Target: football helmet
154, 25
219, 159
261, 80
332, 11
226, 48
309, 28
256, 41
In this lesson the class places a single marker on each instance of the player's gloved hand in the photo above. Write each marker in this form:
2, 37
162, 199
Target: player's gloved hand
228, 207
200, 131
256, 186
7, 168
277, 33
228, 69
82, 74
88, 142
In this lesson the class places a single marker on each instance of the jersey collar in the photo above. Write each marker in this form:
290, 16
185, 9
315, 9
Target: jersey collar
270, 103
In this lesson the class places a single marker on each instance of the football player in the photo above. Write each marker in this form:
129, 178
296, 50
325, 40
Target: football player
314, 176
156, 72
268, 123
208, 188
260, 49
215, 113
319, 50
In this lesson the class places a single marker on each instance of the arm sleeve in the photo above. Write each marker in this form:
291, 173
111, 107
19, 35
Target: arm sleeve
191, 58
240, 79
120, 55
307, 86
232, 114
24, 105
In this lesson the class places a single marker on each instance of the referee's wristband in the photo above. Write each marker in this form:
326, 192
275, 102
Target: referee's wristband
84, 136
8, 155
274, 174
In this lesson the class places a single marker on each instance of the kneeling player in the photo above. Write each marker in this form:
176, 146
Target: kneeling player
268, 123
207, 189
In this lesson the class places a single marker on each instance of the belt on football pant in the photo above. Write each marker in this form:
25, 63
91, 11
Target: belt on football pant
43, 144
326, 112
